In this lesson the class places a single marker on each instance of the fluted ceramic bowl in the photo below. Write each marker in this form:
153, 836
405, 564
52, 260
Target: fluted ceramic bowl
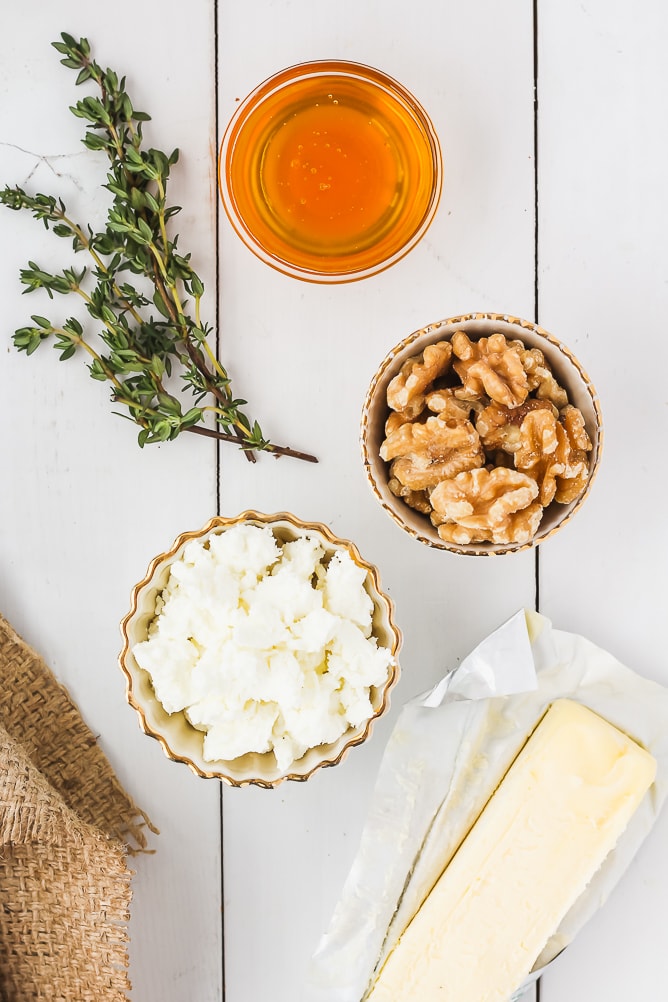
568, 373
184, 743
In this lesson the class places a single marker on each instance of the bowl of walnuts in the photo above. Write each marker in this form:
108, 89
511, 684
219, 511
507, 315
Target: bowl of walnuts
481, 434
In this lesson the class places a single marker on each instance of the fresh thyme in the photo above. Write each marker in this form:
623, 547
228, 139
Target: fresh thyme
138, 349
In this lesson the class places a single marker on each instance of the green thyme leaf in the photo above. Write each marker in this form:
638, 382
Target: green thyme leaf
134, 351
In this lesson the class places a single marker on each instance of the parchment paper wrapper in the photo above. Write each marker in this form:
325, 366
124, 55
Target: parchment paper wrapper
448, 751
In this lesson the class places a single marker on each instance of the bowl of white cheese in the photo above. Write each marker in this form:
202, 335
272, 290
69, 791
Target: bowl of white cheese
259, 648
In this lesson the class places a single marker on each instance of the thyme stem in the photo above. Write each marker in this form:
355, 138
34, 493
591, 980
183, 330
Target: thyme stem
142, 351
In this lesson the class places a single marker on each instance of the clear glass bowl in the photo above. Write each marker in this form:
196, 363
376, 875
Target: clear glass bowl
330, 171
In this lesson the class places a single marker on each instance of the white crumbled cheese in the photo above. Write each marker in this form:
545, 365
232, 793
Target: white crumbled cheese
265, 646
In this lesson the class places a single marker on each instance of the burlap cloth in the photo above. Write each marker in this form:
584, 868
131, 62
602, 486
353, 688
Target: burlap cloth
66, 828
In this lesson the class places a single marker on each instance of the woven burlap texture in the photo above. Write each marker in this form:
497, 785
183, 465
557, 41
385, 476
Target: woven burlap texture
66, 828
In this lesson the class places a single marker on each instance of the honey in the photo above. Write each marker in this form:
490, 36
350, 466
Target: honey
330, 171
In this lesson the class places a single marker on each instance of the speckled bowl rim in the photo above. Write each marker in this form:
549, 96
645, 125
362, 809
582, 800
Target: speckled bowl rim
259, 518
371, 461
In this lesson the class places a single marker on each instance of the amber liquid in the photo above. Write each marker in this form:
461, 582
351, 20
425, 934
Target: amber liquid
331, 174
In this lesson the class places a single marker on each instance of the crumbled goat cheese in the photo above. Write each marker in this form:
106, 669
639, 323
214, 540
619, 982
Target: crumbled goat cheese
265, 646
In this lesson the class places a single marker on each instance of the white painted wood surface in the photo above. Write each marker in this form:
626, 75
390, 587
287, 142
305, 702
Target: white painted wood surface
82, 509
603, 283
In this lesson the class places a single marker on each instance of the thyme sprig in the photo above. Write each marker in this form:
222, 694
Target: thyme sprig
146, 334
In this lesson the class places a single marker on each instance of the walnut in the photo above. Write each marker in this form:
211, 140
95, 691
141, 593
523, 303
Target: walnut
569, 488
491, 366
448, 406
426, 453
541, 452
414, 499
518, 528
554, 453
407, 438
572, 482
394, 420
413, 408
499, 426
497, 506
406, 391
574, 426
496, 430
540, 378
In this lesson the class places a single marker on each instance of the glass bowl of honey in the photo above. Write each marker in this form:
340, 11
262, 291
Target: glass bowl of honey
330, 171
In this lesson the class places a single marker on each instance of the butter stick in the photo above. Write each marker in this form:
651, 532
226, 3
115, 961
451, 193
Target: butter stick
542, 836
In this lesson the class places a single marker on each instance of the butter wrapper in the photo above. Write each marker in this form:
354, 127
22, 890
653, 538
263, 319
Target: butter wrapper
449, 750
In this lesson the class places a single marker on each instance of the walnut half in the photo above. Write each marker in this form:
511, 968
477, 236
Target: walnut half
406, 391
497, 506
553, 451
424, 454
491, 366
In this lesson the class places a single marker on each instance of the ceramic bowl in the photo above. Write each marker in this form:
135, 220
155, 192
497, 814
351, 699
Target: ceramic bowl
184, 743
566, 369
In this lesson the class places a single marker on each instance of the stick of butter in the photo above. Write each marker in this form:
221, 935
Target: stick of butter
542, 836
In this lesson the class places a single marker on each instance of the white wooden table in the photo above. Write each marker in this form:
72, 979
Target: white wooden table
553, 126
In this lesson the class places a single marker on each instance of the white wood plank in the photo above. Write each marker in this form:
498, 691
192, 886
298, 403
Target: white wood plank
603, 266
603, 258
82, 509
303, 355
